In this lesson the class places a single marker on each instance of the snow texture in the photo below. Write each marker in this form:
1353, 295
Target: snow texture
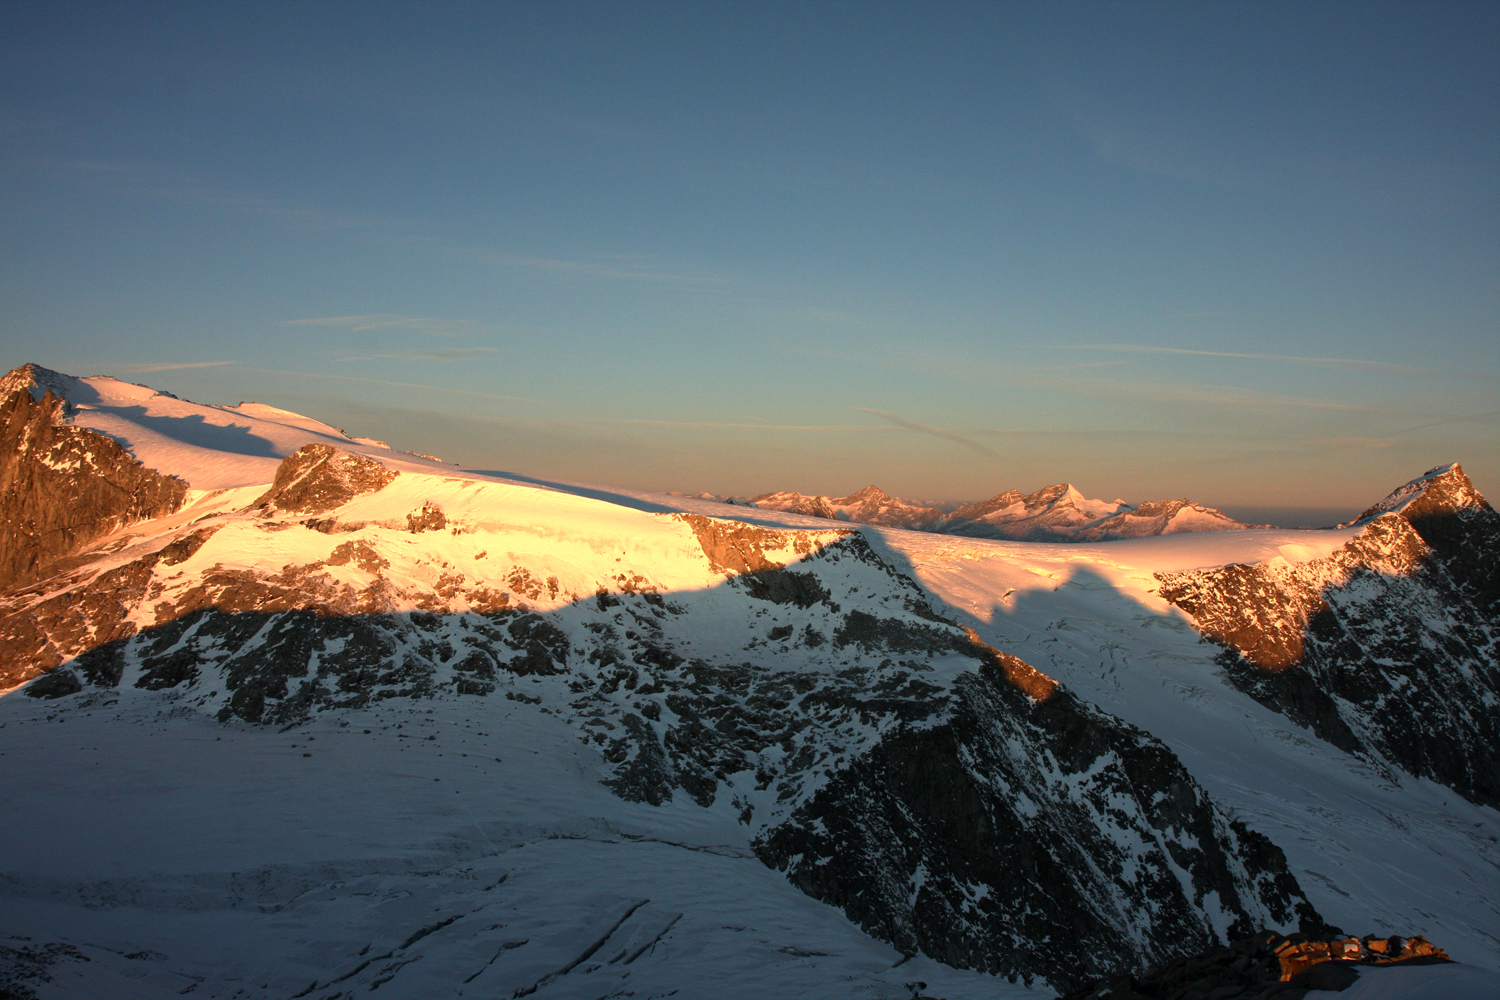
463, 733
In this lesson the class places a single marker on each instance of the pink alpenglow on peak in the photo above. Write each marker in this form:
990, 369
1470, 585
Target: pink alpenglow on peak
1057, 513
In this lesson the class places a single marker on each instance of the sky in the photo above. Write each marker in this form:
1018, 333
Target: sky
1247, 253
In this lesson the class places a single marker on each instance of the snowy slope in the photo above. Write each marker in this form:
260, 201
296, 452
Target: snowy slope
640, 707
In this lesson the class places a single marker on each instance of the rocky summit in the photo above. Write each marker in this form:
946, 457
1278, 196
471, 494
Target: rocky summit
292, 713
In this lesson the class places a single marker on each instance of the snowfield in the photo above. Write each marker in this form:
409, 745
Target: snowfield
156, 843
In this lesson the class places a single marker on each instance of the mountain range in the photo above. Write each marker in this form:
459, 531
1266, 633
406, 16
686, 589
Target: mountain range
1052, 514
292, 713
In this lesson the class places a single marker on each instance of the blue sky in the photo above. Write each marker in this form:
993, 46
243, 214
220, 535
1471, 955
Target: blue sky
1247, 253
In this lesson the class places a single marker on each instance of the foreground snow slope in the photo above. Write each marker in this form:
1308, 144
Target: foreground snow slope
241, 867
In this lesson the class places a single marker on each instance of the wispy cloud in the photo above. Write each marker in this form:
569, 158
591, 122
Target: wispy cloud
167, 366
1354, 363
441, 354
713, 423
300, 215
1088, 364
384, 321
912, 425
324, 376
1473, 418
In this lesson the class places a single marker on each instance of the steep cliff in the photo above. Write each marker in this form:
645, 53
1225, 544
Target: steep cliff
1389, 646
61, 487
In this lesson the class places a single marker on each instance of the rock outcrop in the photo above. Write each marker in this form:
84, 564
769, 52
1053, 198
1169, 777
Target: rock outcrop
993, 838
63, 488
1389, 646
316, 478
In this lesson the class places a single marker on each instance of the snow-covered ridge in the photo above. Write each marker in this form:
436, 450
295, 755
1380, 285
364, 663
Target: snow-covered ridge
208, 447
868, 506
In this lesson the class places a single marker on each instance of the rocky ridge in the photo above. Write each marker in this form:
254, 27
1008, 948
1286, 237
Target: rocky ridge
1390, 647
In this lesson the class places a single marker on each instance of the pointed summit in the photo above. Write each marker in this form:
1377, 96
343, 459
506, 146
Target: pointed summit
1445, 489
40, 381
871, 492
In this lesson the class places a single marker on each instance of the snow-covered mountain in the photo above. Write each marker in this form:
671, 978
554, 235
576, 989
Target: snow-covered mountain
374, 721
868, 506
1052, 514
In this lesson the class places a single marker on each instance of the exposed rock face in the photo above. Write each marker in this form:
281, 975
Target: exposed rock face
1390, 645
316, 478
63, 487
991, 839
429, 518
1459, 524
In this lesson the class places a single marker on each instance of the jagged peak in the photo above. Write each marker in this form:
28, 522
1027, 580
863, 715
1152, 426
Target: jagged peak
1443, 489
39, 381
1052, 494
871, 492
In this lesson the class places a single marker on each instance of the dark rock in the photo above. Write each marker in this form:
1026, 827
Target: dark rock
1332, 976
429, 518
953, 840
316, 478
63, 488
57, 683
